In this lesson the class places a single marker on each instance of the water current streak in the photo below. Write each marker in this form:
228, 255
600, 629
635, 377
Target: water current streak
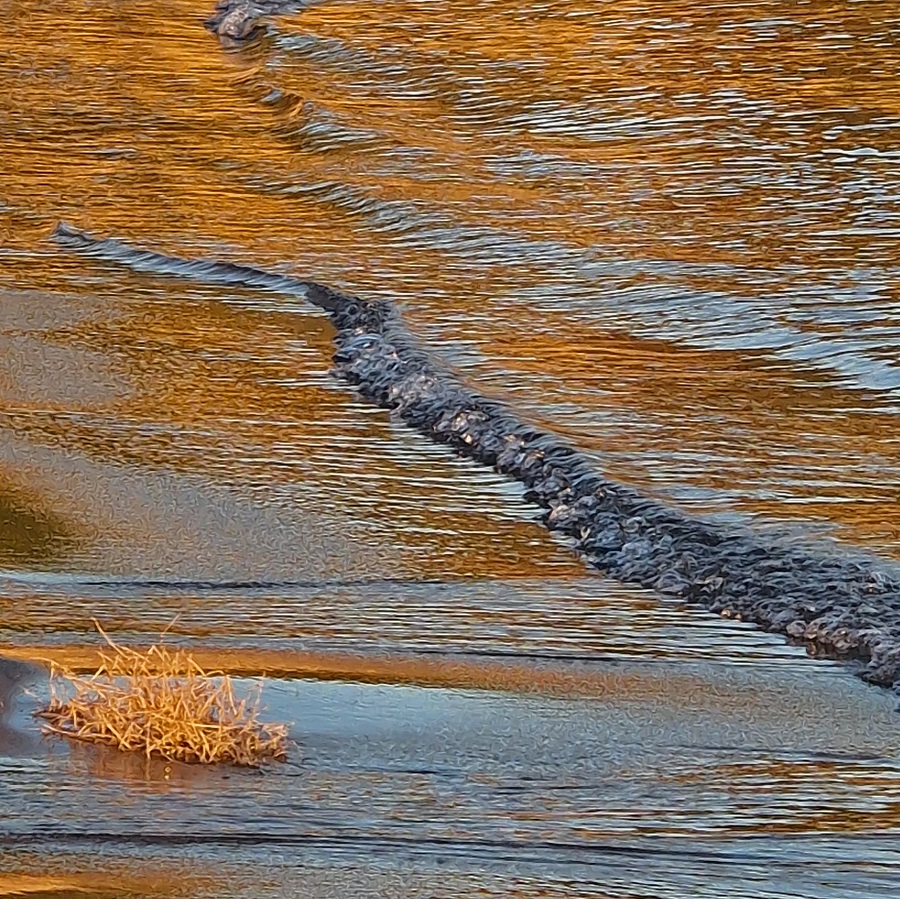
842, 606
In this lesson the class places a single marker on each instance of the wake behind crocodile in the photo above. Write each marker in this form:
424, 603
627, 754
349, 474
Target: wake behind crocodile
842, 605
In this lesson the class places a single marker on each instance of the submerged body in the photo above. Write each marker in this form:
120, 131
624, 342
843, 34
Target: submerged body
841, 606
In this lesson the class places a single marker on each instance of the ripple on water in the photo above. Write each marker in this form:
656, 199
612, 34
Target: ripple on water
666, 232
405, 779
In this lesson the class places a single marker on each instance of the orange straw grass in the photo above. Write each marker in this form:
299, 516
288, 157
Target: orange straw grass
161, 703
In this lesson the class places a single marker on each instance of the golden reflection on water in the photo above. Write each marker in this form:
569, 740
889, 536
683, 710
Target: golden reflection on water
80, 879
668, 232
173, 143
732, 423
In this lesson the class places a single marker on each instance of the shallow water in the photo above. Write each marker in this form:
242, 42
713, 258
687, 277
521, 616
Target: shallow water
668, 235
631, 794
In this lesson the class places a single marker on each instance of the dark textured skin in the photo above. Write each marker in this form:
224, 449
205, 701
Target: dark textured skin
842, 606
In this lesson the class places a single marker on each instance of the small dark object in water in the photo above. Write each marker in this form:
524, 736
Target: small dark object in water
235, 21
840, 606
15, 676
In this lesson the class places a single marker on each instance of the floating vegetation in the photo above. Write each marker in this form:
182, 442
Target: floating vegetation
161, 703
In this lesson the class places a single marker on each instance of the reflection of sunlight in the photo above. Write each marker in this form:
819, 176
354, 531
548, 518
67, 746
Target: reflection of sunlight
687, 218
71, 876
664, 231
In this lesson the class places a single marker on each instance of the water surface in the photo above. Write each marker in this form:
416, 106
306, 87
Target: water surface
669, 235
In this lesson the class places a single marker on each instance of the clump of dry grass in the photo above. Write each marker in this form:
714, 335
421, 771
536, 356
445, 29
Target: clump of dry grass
161, 703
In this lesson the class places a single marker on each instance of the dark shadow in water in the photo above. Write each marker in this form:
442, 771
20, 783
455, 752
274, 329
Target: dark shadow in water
29, 536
